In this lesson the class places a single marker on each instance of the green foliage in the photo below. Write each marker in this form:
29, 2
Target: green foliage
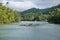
42, 17
55, 16
8, 15
49, 14
34, 17
17, 17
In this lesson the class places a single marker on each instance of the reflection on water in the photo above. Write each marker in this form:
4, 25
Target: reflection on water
41, 31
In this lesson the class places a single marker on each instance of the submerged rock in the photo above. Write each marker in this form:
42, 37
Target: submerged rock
30, 24
26, 24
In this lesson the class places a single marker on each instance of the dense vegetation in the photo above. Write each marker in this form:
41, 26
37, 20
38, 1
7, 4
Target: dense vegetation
34, 14
34, 17
50, 14
8, 15
54, 17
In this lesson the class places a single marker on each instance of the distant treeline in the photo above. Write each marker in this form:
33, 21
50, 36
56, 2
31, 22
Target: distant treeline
52, 15
34, 17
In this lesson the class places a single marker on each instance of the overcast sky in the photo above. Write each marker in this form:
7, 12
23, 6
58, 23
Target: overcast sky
27, 4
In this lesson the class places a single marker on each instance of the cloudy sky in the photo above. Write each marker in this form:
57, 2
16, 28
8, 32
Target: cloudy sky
27, 4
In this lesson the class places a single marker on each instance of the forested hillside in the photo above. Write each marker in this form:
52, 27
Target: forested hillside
8, 15
36, 10
54, 16
50, 14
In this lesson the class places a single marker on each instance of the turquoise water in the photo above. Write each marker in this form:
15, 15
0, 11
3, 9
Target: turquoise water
38, 31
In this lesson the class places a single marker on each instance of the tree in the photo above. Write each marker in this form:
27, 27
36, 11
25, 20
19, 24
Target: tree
8, 15
55, 16
7, 2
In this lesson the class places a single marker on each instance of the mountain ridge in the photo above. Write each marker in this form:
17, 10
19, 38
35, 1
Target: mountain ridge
37, 10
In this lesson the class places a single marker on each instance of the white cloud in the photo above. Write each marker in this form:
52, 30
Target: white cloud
27, 4
23, 5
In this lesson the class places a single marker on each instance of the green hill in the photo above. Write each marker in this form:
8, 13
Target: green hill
38, 14
45, 11
54, 16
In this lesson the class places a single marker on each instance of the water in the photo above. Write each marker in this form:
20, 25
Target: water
38, 31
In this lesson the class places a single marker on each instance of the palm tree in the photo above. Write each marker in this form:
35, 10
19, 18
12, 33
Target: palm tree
7, 3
